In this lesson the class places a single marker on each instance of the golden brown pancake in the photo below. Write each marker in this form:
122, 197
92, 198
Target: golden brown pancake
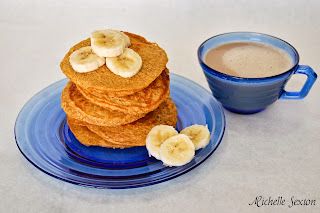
135, 133
104, 109
138, 39
141, 102
102, 80
88, 138
77, 106
75, 121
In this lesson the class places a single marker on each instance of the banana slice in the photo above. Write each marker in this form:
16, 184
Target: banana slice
85, 60
107, 43
199, 135
156, 137
177, 150
126, 65
125, 37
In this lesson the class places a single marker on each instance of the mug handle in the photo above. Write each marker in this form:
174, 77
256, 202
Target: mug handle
312, 76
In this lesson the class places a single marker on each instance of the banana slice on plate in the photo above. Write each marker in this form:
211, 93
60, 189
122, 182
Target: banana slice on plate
85, 60
108, 43
177, 150
156, 137
199, 135
126, 65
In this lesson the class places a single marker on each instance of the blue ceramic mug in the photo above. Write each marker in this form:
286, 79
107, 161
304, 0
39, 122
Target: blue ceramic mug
250, 95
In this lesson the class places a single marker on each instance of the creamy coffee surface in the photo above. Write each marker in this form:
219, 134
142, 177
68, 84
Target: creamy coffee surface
248, 59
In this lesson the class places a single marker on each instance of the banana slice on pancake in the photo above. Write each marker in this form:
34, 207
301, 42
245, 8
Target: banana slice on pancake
126, 65
109, 43
85, 60
177, 150
126, 38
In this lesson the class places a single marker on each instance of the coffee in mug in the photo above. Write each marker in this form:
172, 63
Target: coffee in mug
248, 59
248, 71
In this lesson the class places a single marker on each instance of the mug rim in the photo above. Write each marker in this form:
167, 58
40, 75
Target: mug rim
216, 72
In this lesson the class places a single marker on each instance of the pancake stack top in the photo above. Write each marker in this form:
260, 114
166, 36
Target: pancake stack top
105, 109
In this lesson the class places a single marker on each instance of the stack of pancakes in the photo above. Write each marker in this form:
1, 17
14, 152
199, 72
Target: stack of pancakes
104, 109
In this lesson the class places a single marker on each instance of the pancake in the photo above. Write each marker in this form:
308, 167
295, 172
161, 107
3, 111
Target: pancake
141, 102
107, 110
136, 132
77, 106
88, 138
138, 39
102, 80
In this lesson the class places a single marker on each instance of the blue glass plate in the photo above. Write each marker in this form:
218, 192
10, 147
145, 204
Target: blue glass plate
44, 138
